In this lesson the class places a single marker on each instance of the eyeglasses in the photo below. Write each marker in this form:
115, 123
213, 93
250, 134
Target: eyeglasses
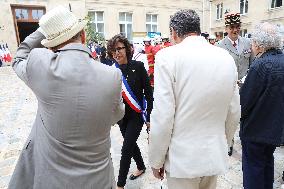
118, 49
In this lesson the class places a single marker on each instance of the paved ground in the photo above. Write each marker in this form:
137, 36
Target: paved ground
17, 112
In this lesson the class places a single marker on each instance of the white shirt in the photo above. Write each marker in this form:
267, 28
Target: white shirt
237, 42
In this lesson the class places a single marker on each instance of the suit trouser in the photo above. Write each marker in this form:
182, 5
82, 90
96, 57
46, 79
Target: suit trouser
208, 182
130, 129
257, 165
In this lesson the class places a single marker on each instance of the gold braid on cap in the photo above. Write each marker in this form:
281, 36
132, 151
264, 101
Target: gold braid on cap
231, 19
54, 35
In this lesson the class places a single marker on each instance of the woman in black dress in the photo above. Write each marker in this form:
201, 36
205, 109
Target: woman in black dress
131, 125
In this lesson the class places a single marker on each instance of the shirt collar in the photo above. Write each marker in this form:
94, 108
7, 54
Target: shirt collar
237, 41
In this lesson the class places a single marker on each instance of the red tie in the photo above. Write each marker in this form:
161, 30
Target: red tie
234, 44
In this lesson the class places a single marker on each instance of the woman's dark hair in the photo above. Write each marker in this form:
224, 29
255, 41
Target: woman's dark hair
119, 38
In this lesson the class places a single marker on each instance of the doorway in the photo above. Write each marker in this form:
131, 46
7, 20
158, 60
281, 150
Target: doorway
26, 18
25, 29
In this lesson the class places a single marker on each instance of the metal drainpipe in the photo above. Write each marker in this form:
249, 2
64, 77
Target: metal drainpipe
203, 10
210, 17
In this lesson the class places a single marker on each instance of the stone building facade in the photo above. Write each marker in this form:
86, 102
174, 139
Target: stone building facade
110, 17
18, 18
252, 12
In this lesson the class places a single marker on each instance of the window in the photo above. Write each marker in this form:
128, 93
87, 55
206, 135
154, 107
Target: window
21, 14
125, 24
243, 6
219, 11
243, 32
276, 3
97, 21
37, 14
151, 22
28, 13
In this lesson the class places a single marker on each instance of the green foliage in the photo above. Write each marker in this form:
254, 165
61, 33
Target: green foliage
91, 33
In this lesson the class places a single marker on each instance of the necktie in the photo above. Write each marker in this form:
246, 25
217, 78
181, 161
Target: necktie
234, 44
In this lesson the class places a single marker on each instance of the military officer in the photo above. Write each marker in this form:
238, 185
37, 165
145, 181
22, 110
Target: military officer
238, 47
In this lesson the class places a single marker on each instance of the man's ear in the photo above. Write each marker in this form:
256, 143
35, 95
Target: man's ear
83, 37
173, 35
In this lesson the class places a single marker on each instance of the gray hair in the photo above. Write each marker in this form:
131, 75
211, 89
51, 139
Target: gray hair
267, 36
184, 22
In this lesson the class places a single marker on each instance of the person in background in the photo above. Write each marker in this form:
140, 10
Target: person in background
196, 111
104, 59
136, 88
205, 35
91, 46
166, 41
98, 49
212, 39
262, 121
157, 47
69, 144
139, 55
149, 51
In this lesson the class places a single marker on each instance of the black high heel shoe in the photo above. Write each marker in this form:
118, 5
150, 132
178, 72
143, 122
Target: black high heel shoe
133, 177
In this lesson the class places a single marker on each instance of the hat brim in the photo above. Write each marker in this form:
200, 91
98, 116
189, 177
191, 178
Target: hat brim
232, 23
65, 36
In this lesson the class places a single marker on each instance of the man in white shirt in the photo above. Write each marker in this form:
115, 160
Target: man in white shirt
196, 111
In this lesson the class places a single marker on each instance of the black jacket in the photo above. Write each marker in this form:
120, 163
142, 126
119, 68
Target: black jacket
138, 81
262, 100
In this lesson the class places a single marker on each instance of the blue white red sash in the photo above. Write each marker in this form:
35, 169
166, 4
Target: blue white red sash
131, 99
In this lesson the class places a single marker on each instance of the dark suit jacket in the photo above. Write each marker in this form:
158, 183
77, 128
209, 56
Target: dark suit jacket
138, 81
262, 100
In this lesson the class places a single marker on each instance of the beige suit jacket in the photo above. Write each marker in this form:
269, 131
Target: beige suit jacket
78, 101
196, 109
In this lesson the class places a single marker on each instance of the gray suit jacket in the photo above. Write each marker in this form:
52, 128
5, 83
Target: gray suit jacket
242, 57
78, 101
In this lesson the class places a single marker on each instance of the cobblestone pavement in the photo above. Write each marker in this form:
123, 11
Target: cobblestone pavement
17, 112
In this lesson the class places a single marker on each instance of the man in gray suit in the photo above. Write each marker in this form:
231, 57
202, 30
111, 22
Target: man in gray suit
238, 47
69, 145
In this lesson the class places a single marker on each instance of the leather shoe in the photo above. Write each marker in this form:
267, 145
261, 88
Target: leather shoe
230, 153
133, 177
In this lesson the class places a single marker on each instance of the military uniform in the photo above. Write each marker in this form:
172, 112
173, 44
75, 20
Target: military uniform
241, 53
239, 49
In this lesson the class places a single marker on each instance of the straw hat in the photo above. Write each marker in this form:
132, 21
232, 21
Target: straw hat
58, 26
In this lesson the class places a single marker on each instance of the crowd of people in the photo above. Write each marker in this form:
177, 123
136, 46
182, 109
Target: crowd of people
202, 93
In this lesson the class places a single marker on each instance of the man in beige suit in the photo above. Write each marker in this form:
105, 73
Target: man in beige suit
196, 108
78, 101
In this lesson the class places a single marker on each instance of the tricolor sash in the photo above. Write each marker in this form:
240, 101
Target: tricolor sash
131, 99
